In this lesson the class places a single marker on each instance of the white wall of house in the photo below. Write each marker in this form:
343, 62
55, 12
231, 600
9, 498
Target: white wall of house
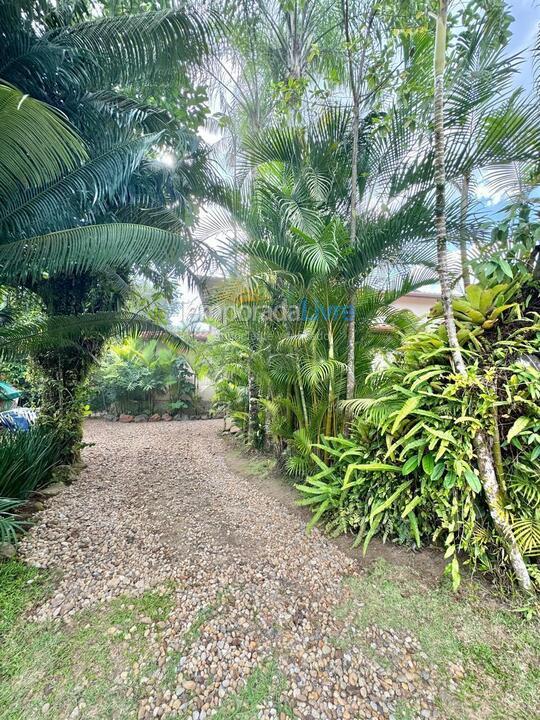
417, 302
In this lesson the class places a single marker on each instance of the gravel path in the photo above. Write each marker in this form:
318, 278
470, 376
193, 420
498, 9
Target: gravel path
159, 504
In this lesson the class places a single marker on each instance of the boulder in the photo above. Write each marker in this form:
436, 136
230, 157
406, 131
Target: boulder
125, 418
178, 417
227, 424
234, 430
110, 418
36, 506
64, 474
7, 550
140, 418
53, 489
154, 418
166, 417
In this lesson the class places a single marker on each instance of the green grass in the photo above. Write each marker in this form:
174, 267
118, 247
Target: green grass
64, 665
260, 468
497, 649
264, 684
20, 586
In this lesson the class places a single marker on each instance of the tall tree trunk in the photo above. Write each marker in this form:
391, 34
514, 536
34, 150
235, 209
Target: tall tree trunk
331, 393
351, 323
354, 81
64, 371
301, 390
464, 209
253, 397
483, 451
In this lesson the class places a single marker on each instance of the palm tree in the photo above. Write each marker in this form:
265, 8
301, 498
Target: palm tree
106, 208
484, 456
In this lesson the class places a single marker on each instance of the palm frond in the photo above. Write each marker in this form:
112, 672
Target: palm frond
101, 178
37, 144
94, 248
124, 48
45, 333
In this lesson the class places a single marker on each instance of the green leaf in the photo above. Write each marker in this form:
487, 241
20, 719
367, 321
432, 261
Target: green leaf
388, 502
317, 516
450, 550
410, 506
505, 267
37, 144
519, 425
428, 464
414, 527
438, 470
456, 575
407, 408
367, 467
449, 480
372, 530
410, 465
473, 480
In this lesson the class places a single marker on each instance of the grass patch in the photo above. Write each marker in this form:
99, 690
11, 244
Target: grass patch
20, 587
63, 666
497, 649
265, 684
260, 467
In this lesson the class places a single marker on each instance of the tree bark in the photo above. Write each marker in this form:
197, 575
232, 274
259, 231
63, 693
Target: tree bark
351, 326
64, 371
483, 452
494, 500
302, 393
464, 209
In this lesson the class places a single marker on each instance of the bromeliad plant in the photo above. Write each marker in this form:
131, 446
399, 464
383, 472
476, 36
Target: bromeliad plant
410, 470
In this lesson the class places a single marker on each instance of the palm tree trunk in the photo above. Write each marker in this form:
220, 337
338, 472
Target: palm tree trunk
440, 188
253, 396
302, 393
351, 340
63, 373
331, 393
353, 80
351, 327
484, 456
464, 208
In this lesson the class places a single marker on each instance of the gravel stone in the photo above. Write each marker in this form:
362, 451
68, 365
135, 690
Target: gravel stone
157, 507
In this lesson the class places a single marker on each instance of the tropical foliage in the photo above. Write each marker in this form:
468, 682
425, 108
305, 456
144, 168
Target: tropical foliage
351, 140
408, 472
86, 202
339, 208
138, 376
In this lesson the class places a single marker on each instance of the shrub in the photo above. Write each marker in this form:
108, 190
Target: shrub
26, 461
